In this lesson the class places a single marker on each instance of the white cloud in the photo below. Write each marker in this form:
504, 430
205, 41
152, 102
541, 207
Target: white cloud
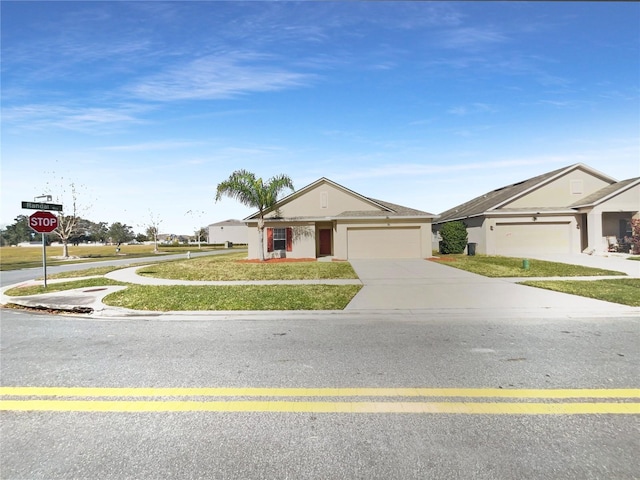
471, 109
161, 145
85, 119
218, 77
471, 38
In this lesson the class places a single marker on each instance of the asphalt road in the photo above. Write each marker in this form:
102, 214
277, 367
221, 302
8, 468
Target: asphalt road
338, 350
9, 277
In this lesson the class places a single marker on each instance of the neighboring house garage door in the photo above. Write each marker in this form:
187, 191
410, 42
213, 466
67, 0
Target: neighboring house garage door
383, 242
528, 238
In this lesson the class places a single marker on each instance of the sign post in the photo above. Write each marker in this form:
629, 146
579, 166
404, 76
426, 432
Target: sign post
43, 223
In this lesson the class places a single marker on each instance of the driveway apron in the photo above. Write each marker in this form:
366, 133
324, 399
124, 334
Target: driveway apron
407, 284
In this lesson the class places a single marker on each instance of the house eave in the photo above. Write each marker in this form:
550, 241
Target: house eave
457, 219
340, 219
533, 211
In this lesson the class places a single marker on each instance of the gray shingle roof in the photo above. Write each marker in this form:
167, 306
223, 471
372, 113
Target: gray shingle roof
393, 210
603, 193
499, 196
228, 223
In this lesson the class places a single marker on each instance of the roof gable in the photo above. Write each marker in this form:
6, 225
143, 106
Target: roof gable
325, 198
607, 193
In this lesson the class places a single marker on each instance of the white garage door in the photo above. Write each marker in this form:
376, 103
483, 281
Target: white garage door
383, 243
528, 238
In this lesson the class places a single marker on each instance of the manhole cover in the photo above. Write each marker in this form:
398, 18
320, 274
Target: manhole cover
94, 290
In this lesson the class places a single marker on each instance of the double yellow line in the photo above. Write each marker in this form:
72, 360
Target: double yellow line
334, 400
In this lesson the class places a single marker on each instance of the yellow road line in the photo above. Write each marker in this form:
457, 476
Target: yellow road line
322, 407
320, 392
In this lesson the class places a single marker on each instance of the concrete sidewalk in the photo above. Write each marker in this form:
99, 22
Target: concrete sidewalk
388, 286
129, 275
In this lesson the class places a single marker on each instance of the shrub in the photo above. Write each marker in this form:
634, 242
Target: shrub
454, 237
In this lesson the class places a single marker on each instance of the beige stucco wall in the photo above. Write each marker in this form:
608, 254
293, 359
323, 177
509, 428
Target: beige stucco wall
559, 192
228, 233
324, 200
627, 201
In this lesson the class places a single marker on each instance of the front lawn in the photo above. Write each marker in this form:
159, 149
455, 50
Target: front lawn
223, 267
497, 266
246, 297
625, 291
232, 268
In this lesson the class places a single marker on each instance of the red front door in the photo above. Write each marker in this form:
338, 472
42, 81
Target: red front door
325, 241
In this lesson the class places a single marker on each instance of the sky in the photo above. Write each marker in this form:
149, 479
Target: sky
144, 107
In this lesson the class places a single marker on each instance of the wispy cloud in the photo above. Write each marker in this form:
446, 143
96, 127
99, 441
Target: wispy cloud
419, 169
218, 77
471, 38
85, 119
473, 108
161, 145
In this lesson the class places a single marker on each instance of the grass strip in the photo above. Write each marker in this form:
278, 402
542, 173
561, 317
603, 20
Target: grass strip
242, 297
89, 272
225, 268
505, 267
58, 287
625, 291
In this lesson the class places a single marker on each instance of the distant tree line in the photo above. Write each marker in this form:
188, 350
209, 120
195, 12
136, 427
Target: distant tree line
85, 231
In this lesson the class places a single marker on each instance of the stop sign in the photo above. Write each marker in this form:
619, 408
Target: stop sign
43, 222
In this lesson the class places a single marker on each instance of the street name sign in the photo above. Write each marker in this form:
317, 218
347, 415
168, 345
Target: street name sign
43, 222
42, 206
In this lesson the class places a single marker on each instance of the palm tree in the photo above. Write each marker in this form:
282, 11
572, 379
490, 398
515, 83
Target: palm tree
244, 187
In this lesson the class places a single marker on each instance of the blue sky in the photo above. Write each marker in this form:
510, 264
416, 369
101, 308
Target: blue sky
147, 106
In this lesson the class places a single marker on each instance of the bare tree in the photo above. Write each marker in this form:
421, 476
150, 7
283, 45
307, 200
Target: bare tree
68, 217
199, 230
153, 229
201, 234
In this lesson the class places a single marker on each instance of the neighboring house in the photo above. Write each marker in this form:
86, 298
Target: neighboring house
570, 210
325, 219
234, 231
172, 238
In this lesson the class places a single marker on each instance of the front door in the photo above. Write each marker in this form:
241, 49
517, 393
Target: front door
325, 241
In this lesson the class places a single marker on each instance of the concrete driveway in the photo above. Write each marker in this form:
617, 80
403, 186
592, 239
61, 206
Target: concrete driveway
422, 284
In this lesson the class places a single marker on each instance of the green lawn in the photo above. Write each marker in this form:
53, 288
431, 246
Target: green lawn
221, 267
497, 266
231, 268
247, 297
625, 291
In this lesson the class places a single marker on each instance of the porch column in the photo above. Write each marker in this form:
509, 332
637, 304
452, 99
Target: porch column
594, 233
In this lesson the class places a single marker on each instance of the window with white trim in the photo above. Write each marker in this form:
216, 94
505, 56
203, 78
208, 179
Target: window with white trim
279, 238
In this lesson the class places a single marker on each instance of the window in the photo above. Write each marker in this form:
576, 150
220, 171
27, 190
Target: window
279, 238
